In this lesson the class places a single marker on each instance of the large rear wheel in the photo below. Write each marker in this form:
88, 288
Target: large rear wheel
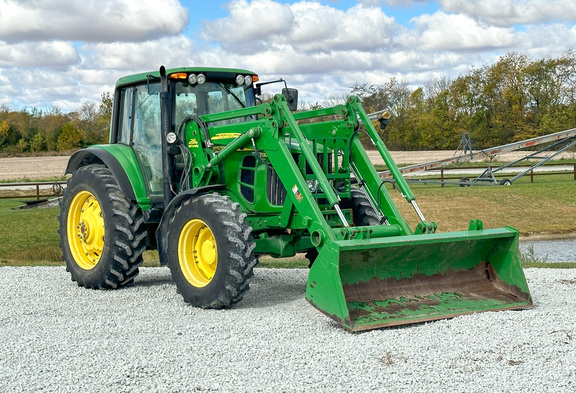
101, 232
210, 251
363, 214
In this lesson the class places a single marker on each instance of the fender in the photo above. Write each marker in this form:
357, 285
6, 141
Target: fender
121, 162
168, 214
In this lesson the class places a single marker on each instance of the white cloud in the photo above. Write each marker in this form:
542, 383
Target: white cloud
262, 25
75, 51
547, 40
287, 60
171, 51
441, 31
514, 12
90, 20
43, 88
249, 25
322, 28
394, 3
53, 54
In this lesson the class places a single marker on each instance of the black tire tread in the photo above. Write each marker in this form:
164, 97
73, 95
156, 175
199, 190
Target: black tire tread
121, 260
241, 249
363, 214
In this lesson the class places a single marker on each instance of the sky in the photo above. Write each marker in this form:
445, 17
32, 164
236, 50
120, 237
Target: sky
62, 53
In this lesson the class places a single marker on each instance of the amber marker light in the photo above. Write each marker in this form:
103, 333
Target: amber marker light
179, 75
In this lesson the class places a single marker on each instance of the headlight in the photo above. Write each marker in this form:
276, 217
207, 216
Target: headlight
248, 80
192, 79
201, 79
171, 137
239, 80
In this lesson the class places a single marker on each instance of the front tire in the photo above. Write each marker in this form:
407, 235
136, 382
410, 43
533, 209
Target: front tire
210, 251
101, 232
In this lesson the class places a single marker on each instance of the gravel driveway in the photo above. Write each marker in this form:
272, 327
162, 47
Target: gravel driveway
57, 337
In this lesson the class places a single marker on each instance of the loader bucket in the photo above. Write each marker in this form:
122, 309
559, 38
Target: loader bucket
371, 283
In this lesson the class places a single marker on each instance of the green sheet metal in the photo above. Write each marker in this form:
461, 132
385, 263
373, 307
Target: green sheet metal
371, 283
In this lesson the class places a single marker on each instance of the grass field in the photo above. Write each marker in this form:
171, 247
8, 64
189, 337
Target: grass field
29, 236
547, 208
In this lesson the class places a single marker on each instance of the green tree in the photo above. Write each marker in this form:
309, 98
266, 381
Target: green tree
21, 146
70, 137
38, 143
5, 129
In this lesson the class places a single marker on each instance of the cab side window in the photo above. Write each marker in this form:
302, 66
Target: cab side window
125, 117
147, 135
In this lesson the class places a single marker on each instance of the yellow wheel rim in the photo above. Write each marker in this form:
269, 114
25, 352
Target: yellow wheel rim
197, 253
85, 227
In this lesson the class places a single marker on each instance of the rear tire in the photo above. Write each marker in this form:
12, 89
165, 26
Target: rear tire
210, 251
102, 236
363, 214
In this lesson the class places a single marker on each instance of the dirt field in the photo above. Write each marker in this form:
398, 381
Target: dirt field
32, 168
50, 167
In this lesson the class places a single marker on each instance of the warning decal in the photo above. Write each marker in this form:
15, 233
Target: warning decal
297, 193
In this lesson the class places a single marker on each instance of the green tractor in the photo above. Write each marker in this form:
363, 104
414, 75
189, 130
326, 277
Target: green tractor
199, 168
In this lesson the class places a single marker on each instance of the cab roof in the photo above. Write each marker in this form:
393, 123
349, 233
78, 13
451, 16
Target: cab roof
213, 73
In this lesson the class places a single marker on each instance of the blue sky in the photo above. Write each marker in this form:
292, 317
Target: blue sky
63, 53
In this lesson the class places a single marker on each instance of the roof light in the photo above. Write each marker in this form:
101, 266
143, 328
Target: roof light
248, 80
179, 75
201, 79
192, 79
239, 80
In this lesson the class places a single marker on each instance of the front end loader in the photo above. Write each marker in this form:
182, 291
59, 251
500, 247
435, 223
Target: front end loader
200, 170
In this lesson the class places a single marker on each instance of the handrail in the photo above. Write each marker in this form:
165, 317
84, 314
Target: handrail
55, 189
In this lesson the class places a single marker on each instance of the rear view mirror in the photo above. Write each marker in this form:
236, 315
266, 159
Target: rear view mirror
291, 96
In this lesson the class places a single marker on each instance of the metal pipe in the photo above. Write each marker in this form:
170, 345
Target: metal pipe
418, 211
341, 215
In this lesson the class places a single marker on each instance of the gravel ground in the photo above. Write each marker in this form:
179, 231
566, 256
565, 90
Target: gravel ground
57, 337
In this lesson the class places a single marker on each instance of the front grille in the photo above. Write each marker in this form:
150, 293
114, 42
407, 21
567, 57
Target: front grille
247, 178
275, 191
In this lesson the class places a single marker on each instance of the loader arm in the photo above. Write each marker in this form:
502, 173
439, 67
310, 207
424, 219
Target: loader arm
378, 275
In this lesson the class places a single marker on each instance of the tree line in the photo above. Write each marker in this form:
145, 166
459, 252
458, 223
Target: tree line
514, 99
36, 130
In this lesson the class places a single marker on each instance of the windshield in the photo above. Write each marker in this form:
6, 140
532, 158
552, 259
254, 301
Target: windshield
211, 97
